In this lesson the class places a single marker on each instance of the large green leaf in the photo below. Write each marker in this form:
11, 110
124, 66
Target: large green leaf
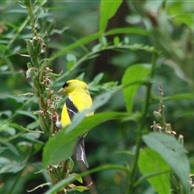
107, 11
60, 146
134, 74
151, 162
172, 152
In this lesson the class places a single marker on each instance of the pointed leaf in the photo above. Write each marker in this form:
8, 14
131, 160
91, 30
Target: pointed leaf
11, 147
60, 146
77, 177
151, 162
10, 166
107, 11
79, 188
172, 152
134, 73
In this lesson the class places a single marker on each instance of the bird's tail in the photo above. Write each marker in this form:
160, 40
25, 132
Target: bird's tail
80, 151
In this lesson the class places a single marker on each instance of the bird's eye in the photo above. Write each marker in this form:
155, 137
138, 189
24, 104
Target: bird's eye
65, 85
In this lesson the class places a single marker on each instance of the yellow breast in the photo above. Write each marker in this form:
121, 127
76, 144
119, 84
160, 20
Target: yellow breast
81, 101
65, 120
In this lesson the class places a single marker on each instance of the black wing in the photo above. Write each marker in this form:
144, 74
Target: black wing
71, 109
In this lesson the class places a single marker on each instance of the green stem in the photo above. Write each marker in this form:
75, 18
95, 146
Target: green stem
163, 122
133, 173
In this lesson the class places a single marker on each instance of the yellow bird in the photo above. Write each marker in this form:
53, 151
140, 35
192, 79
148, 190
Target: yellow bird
78, 100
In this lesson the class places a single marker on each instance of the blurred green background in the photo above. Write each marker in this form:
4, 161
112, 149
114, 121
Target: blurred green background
62, 23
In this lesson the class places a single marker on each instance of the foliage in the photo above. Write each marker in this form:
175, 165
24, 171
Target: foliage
125, 51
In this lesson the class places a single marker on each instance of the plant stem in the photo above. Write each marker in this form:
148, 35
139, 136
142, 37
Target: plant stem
133, 173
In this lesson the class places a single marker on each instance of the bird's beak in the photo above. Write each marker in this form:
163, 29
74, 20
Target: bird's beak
62, 91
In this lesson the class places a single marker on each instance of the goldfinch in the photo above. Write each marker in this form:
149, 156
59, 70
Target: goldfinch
78, 100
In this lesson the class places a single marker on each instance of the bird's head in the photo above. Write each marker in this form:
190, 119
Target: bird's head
72, 86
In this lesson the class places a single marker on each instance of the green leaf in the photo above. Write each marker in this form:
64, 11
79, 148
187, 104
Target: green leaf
24, 147
179, 71
97, 47
77, 177
70, 65
34, 124
179, 96
10, 166
16, 126
6, 113
107, 11
116, 40
176, 7
11, 131
6, 129
31, 136
151, 162
11, 147
97, 79
71, 57
60, 146
186, 18
27, 113
13, 98
133, 74
79, 188
172, 152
